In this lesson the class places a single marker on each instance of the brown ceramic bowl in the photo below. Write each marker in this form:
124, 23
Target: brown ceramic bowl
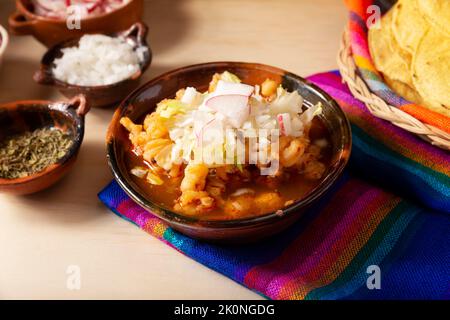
97, 96
52, 31
144, 100
22, 116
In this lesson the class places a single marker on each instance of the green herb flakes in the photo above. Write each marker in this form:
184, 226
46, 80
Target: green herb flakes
31, 152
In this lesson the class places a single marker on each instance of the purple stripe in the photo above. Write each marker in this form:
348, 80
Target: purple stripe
300, 265
262, 276
340, 92
135, 213
358, 20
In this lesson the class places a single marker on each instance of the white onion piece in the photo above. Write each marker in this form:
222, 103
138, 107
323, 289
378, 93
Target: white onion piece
234, 107
297, 126
307, 116
242, 191
139, 172
189, 95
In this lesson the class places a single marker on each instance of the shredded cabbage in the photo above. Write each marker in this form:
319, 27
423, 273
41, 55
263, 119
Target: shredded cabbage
310, 113
192, 125
286, 102
230, 77
170, 107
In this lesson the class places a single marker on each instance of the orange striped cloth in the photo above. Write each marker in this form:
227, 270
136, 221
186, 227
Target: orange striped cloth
360, 12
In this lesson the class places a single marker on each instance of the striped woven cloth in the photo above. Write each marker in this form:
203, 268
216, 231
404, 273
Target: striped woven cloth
358, 16
390, 210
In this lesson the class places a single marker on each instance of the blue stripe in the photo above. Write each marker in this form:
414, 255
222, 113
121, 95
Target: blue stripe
384, 247
378, 163
419, 265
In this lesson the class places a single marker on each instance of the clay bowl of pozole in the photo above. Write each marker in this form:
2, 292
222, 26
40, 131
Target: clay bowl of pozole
228, 151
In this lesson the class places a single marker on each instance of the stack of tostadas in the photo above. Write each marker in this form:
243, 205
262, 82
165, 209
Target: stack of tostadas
411, 48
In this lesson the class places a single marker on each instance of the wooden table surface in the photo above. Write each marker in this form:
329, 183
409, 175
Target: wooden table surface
42, 235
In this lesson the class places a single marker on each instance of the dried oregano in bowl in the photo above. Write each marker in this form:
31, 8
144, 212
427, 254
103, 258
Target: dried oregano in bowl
30, 152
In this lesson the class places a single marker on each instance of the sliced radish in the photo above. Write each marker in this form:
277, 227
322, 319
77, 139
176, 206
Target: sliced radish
208, 132
51, 5
201, 130
284, 122
225, 88
58, 8
233, 106
213, 132
91, 8
200, 120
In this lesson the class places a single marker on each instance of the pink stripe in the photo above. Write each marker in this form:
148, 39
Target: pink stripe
261, 277
304, 264
328, 79
400, 139
359, 45
133, 212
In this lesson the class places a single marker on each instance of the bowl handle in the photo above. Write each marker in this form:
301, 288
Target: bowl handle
20, 25
138, 30
43, 77
79, 102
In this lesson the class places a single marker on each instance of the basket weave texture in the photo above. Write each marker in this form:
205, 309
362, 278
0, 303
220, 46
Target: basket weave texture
378, 107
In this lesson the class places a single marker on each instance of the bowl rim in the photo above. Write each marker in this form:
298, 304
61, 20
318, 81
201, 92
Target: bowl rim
21, 7
45, 68
4, 37
71, 153
180, 220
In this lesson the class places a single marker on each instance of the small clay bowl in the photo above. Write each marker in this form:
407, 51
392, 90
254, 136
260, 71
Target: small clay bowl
144, 100
29, 115
51, 31
97, 96
4, 40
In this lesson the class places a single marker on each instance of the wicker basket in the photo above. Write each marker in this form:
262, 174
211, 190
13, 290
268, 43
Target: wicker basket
378, 107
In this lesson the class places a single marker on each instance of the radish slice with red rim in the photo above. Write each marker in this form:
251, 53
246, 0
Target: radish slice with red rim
284, 122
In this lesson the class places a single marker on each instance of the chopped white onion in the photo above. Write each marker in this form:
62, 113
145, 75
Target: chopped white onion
97, 60
234, 107
242, 191
189, 95
231, 88
139, 172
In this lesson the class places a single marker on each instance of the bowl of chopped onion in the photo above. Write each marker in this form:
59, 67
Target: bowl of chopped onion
53, 21
104, 68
